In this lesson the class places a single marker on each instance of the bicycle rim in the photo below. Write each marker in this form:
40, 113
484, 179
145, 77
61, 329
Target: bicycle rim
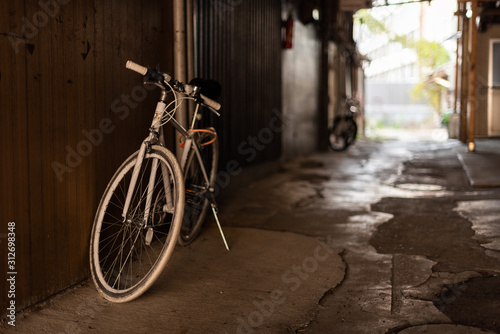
127, 257
352, 131
197, 204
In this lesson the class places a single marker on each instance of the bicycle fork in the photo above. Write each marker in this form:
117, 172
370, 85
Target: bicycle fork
133, 180
146, 144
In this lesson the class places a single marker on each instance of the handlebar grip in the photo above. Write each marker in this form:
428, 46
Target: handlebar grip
157, 75
136, 67
211, 103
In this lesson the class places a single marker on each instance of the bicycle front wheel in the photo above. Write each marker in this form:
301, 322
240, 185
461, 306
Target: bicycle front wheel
342, 134
197, 202
128, 255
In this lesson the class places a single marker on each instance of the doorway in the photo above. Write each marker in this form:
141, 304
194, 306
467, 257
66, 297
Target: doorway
494, 88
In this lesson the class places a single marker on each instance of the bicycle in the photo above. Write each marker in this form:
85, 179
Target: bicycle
153, 202
344, 130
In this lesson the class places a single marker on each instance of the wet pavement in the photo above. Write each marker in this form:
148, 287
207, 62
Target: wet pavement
387, 237
487, 153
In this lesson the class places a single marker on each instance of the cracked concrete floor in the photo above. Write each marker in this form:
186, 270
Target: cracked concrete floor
415, 236
269, 282
387, 237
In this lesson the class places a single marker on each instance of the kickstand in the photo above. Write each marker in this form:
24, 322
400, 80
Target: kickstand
214, 210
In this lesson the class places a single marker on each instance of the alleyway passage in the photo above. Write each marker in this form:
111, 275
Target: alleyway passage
420, 245
388, 237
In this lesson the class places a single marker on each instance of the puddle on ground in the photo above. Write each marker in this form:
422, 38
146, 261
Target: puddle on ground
313, 178
420, 187
474, 302
311, 164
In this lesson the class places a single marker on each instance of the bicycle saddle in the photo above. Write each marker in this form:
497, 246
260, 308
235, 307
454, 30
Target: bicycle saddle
209, 88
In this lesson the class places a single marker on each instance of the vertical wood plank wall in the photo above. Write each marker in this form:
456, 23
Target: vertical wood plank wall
69, 114
239, 44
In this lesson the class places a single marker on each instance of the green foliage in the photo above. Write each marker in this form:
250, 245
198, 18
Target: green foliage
446, 118
431, 54
417, 92
430, 92
374, 25
404, 40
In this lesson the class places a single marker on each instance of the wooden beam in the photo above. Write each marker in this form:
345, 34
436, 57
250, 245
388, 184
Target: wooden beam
457, 66
464, 77
472, 88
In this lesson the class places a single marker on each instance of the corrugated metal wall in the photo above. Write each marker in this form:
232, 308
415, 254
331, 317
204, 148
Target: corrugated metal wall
70, 113
239, 44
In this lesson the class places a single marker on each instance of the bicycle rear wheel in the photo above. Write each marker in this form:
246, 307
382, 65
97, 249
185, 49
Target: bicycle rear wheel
197, 204
126, 257
352, 131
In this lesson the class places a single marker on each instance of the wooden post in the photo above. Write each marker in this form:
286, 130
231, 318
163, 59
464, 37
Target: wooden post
190, 51
472, 87
464, 87
323, 78
457, 60
179, 21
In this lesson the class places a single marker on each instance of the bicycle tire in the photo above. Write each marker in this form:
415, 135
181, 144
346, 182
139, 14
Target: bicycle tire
197, 205
342, 134
352, 131
118, 248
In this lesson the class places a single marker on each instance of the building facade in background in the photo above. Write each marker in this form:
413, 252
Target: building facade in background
395, 72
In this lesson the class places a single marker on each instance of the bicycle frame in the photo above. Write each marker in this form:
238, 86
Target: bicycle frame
189, 144
156, 136
148, 190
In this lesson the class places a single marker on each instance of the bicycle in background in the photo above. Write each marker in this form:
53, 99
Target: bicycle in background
344, 130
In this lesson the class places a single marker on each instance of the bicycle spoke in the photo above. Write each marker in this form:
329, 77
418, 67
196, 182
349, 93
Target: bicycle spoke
124, 255
128, 253
126, 259
197, 186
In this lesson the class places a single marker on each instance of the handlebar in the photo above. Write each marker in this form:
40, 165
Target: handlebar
161, 78
136, 67
190, 89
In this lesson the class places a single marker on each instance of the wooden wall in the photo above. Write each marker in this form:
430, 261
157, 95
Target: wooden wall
70, 113
239, 44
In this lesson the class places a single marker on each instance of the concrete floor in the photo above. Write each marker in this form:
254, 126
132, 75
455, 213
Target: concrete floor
388, 237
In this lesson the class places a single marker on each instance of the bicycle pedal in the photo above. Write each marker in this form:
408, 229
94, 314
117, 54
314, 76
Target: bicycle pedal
149, 236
